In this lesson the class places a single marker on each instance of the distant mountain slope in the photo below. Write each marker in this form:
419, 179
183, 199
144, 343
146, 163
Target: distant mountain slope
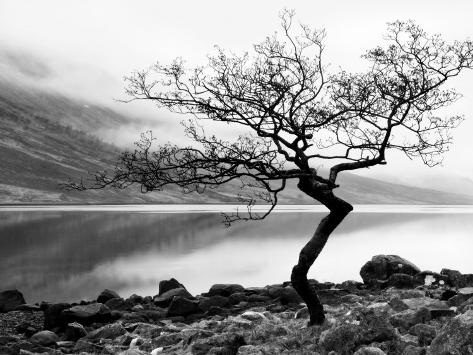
43, 142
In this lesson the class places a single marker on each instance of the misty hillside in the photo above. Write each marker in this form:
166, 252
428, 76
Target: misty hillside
46, 139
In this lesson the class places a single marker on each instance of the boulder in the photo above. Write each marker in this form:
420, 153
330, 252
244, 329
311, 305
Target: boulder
87, 314
181, 306
381, 267
10, 299
456, 337
167, 285
74, 331
119, 304
53, 317
206, 303
45, 338
106, 295
225, 289
238, 297
165, 299
454, 277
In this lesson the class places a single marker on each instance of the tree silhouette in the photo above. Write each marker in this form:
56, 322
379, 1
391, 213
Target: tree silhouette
295, 115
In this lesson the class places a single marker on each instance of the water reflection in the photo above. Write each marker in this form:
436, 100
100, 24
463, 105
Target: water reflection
53, 255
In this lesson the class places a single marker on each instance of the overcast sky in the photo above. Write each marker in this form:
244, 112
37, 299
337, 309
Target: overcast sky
91, 44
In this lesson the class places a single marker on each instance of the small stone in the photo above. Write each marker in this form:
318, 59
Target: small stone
45, 338
369, 350
253, 316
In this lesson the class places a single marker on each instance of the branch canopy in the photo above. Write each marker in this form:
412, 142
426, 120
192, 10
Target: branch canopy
296, 113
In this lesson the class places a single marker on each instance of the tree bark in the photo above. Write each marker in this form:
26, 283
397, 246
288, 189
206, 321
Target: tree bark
339, 209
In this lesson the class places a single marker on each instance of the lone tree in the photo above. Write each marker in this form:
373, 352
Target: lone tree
295, 116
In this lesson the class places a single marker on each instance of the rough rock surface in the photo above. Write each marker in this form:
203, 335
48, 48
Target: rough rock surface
10, 299
381, 267
362, 319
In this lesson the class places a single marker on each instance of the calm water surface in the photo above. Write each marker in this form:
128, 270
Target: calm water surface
73, 252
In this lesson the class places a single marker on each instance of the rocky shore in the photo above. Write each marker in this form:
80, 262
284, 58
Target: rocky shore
397, 309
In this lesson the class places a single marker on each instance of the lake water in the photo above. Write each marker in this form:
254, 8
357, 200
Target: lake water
69, 253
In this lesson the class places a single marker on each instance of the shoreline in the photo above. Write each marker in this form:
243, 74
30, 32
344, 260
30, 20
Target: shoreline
397, 309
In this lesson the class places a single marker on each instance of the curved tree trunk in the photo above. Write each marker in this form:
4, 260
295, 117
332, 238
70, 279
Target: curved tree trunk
339, 209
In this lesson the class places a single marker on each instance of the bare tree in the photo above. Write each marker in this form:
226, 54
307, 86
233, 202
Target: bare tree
296, 115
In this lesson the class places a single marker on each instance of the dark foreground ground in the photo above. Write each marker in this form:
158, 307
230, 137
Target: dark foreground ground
396, 310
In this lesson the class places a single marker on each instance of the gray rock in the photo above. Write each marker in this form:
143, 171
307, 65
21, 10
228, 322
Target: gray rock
206, 303
109, 331
225, 289
181, 306
381, 267
408, 318
424, 332
456, 337
167, 285
74, 331
165, 299
53, 317
238, 297
87, 314
106, 295
454, 276
119, 304
364, 327
45, 338
10, 299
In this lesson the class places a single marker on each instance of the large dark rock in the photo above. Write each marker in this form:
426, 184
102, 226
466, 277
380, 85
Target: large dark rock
167, 285
165, 299
119, 304
456, 337
10, 299
225, 289
87, 314
381, 267
206, 303
74, 331
181, 306
458, 279
106, 295
53, 317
